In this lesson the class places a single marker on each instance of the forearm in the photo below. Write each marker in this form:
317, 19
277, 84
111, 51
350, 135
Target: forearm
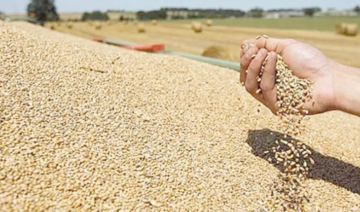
347, 89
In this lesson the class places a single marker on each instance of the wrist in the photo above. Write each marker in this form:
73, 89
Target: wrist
337, 68
346, 88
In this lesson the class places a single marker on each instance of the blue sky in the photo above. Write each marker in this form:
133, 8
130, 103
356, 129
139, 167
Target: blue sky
18, 6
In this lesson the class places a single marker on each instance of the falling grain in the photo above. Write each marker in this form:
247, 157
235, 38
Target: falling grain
292, 93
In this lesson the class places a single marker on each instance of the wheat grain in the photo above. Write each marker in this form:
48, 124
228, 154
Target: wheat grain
292, 93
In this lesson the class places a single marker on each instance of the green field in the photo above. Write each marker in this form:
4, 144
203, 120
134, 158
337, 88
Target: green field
316, 23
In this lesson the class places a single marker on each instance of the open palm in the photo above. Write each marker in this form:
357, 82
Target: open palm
306, 62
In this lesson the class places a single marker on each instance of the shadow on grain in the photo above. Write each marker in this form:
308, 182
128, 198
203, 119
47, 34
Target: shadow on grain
326, 168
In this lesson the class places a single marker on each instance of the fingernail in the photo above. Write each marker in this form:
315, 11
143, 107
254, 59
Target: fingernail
262, 52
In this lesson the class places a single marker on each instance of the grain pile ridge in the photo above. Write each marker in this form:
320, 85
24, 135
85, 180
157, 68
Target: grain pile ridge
90, 127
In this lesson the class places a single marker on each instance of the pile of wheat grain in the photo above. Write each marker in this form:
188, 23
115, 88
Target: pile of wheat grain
86, 126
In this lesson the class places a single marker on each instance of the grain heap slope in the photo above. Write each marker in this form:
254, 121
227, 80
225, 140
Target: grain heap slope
89, 126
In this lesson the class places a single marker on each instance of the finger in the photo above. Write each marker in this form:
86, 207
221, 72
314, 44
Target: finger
267, 84
245, 47
242, 53
271, 44
251, 83
245, 62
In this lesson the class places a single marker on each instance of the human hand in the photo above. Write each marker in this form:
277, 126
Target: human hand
304, 60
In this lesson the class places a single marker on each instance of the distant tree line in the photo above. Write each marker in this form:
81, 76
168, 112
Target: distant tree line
43, 10
256, 13
219, 13
124, 18
163, 13
155, 14
95, 15
357, 9
115, 11
175, 9
259, 12
310, 11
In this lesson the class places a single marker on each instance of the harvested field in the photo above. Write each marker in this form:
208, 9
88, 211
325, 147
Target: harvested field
179, 37
87, 126
326, 23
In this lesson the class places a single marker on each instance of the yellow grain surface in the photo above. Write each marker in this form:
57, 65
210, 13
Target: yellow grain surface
90, 127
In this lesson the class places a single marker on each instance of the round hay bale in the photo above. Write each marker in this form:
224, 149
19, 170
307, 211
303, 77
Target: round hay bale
141, 28
221, 52
52, 27
98, 26
209, 23
340, 28
351, 29
154, 22
348, 29
197, 27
